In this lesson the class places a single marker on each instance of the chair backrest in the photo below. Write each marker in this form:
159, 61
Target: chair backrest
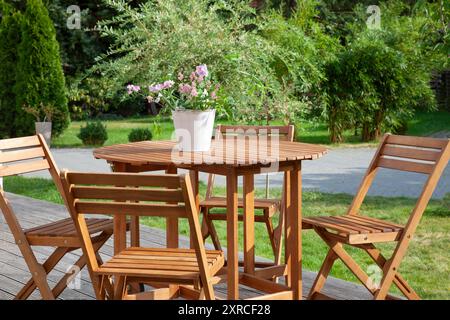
130, 195
19, 156
284, 133
427, 156
25, 155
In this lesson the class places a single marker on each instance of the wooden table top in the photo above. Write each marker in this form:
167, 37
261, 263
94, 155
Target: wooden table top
240, 152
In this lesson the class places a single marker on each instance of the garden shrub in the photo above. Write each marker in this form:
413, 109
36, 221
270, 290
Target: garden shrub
140, 134
164, 37
40, 78
302, 49
381, 77
93, 134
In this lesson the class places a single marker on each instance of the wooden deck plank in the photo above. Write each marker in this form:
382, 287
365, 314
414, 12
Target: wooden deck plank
14, 272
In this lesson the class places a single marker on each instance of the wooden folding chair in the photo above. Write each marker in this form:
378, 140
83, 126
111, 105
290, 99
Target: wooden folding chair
269, 207
414, 154
30, 154
142, 195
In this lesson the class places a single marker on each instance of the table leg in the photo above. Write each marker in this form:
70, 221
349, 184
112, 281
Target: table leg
172, 223
287, 225
120, 221
296, 231
249, 224
232, 236
195, 188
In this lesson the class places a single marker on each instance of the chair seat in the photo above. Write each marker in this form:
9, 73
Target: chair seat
178, 265
356, 229
63, 232
219, 202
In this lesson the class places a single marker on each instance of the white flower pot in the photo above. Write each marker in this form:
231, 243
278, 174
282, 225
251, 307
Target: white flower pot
193, 129
44, 128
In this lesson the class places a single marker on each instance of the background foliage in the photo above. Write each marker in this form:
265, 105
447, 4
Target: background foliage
275, 59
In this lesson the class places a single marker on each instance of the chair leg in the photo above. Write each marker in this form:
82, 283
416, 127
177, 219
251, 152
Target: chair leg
270, 231
62, 284
338, 249
208, 291
211, 229
120, 288
95, 279
48, 266
38, 272
401, 283
278, 237
322, 276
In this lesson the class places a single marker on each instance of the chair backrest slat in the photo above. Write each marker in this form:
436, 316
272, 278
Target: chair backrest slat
411, 153
420, 142
21, 168
17, 143
125, 179
127, 194
409, 166
19, 155
132, 209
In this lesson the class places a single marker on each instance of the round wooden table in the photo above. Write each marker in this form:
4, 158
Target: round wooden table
231, 157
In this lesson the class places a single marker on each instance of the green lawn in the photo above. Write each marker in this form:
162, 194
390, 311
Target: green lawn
422, 124
426, 266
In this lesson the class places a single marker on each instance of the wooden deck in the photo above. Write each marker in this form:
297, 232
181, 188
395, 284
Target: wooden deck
14, 273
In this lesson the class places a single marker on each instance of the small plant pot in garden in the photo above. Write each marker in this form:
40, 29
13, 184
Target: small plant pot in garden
193, 129
44, 128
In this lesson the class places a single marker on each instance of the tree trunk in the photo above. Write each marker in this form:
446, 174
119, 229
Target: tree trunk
333, 127
372, 130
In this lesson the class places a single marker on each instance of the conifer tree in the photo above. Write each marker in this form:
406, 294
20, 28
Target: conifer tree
40, 78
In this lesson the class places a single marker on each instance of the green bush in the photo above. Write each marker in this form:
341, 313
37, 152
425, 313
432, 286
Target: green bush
93, 134
140, 134
381, 77
40, 78
153, 42
9, 40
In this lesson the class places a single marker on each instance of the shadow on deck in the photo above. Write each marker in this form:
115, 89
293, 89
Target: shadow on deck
14, 272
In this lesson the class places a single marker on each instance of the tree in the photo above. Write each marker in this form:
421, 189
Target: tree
9, 39
40, 78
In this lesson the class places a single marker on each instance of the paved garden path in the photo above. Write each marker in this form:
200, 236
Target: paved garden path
340, 171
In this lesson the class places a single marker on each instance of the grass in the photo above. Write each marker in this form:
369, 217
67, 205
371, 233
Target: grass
423, 124
426, 123
426, 265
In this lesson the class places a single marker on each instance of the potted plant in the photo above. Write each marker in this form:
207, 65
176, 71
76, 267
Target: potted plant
43, 115
192, 99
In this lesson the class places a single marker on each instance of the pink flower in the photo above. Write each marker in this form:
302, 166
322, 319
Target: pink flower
185, 88
194, 92
200, 79
214, 95
193, 76
161, 86
132, 88
155, 88
168, 84
202, 70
